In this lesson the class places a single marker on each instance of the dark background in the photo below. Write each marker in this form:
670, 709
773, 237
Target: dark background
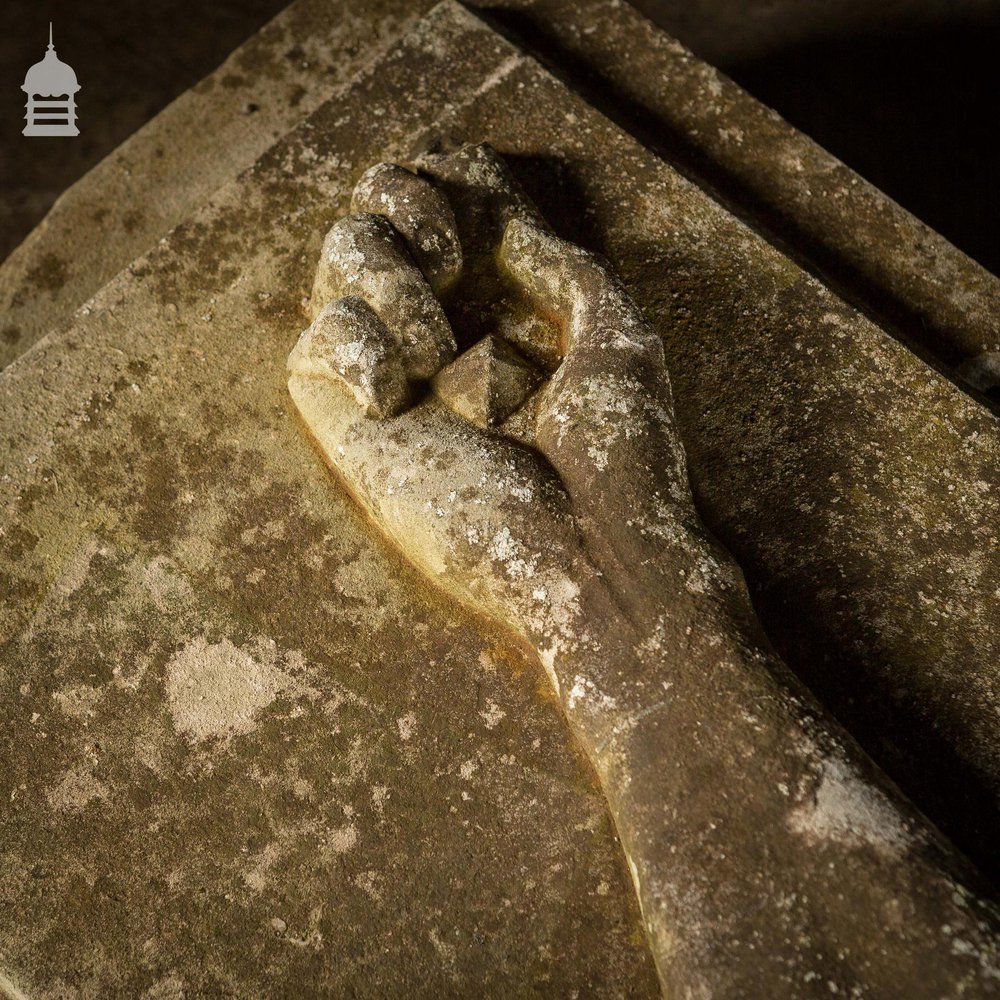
905, 91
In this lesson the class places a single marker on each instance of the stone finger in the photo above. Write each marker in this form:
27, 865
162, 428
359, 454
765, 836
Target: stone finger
422, 216
364, 256
349, 341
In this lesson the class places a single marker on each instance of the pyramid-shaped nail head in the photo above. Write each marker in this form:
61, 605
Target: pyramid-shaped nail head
487, 383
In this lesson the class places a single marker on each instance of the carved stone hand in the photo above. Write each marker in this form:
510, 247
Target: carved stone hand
769, 855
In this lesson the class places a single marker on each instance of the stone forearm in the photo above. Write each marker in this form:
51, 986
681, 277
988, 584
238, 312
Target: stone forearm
769, 855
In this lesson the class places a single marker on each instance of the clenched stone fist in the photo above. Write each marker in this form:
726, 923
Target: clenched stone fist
531, 466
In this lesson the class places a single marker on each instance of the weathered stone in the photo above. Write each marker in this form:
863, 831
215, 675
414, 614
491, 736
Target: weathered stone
391, 284
173, 380
421, 216
856, 487
349, 341
487, 383
630, 615
895, 267
246, 749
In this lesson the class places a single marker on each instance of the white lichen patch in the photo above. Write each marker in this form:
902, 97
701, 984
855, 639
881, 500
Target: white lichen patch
217, 690
585, 695
447, 952
257, 877
169, 988
492, 714
78, 787
166, 586
846, 809
369, 883
380, 796
507, 550
406, 724
341, 840
78, 701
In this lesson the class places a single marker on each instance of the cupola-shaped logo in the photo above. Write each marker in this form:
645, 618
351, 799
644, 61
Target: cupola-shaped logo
51, 88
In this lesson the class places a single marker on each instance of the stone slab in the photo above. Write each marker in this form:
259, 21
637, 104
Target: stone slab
782, 462
818, 445
876, 254
247, 751
200, 141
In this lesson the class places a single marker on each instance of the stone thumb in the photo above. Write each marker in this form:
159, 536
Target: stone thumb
606, 418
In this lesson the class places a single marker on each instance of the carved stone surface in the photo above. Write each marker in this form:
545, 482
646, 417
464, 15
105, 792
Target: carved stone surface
841, 226
488, 383
245, 745
241, 734
588, 546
